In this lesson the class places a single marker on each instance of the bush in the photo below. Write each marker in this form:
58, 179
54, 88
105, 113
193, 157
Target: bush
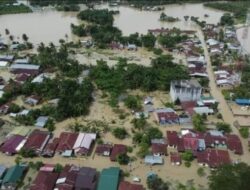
219, 116
130, 149
187, 156
201, 172
244, 132
120, 133
133, 102
224, 127
157, 51
187, 164
123, 159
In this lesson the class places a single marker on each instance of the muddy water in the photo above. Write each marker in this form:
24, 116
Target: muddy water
50, 26
244, 42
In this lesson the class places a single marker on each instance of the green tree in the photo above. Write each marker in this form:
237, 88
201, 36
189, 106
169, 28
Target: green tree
120, 133
133, 102
224, 127
154, 182
58, 168
230, 177
198, 123
244, 132
148, 40
187, 156
123, 159
139, 123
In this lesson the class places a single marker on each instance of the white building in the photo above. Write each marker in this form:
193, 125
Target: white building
185, 90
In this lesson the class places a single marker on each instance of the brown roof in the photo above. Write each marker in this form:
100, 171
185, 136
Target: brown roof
118, 149
234, 144
188, 106
175, 157
66, 141
50, 148
44, 181
125, 185
101, 148
159, 148
37, 140
172, 138
213, 157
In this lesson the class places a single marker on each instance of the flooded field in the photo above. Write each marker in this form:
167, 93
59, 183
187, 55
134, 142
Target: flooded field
48, 25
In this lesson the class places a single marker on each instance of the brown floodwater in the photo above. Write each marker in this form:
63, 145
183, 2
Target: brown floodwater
50, 25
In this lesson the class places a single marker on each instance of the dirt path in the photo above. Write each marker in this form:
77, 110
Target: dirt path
223, 106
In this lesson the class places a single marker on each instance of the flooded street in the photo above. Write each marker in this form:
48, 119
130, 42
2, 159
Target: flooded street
244, 42
50, 25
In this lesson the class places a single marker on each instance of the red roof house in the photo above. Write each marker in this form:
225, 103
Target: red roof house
188, 106
213, 157
44, 181
11, 144
103, 149
117, 150
66, 141
234, 144
50, 148
172, 138
175, 158
159, 149
166, 116
37, 140
125, 185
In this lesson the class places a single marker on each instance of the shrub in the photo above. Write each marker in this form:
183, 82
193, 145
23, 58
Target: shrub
244, 132
187, 164
120, 133
201, 172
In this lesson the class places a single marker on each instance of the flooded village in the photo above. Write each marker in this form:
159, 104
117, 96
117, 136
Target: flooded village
110, 96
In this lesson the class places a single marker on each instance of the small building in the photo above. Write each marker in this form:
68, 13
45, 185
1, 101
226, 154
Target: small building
109, 179
32, 100
117, 150
203, 110
234, 144
22, 61
86, 179
125, 185
153, 160
159, 149
40, 78
12, 144
175, 158
24, 68
132, 47
44, 181
84, 143
185, 90
50, 148
242, 102
166, 116
103, 149
67, 178
66, 142
41, 121
8, 58
148, 100
22, 77
13, 176
37, 141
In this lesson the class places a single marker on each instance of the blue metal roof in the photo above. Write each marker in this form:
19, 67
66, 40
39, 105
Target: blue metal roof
242, 101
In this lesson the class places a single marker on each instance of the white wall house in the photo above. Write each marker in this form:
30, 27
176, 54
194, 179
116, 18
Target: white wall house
185, 90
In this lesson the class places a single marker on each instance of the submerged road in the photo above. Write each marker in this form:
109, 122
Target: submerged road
223, 107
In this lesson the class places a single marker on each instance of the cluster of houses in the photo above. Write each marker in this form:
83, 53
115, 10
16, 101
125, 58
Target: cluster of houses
226, 78
70, 177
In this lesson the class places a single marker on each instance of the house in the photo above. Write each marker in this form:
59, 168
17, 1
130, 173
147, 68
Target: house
12, 144
148, 100
50, 148
13, 176
86, 179
175, 158
203, 110
22, 61
103, 149
66, 142
22, 77
242, 102
125, 185
188, 106
166, 116
132, 47
206, 101
214, 138
159, 149
37, 141
117, 150
83, 143
196, 60
212, 42
44, 180
32, 100
185, 90
24, 68
172, 139
153, 160
47, 168
109, 179
41, 121
234, 144
8, 58
67, 178
213, 158
40, 78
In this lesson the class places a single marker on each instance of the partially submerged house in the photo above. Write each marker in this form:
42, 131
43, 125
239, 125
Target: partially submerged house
37, 141
24, 68
32, 100
175, 158
153, 160
166, 116
86, 179
84, 143
41, 121
13, 144
117, 150
125, 185
109, 179
50, 148
66, 143
103, 149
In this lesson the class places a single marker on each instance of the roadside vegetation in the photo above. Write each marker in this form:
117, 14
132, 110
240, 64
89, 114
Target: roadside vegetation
14, 9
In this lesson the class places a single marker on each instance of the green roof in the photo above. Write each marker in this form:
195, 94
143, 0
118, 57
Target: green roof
207, 97
109, 179
14, 174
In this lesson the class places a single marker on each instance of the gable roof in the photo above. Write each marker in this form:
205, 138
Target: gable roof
159, 148
117, 149
86, 178
44, 181
67, 178
11, 144
37, 140
14, 174
172, 138
66, 141
109, 179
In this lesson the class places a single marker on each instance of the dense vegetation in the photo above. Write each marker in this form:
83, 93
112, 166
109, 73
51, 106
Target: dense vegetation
239, 8
123, 76
230, 177
13, 9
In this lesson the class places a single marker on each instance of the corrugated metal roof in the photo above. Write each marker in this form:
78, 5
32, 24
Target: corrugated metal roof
109, 179
24, 66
